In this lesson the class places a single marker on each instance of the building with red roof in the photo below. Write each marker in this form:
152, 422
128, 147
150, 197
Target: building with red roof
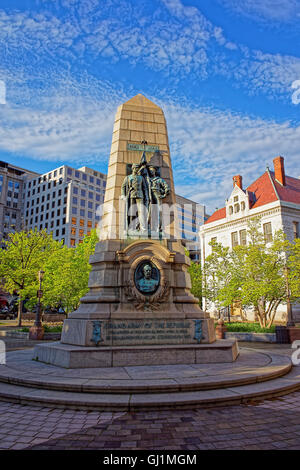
274, 197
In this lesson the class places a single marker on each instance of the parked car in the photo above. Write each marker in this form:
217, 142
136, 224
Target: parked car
6, 314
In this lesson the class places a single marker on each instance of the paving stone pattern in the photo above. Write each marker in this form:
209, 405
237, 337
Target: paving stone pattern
266, 425
272, 424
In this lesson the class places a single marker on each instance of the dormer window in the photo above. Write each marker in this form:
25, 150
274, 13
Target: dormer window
236, 208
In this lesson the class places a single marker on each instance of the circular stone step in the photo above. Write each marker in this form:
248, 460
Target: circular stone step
251, 367
255, 375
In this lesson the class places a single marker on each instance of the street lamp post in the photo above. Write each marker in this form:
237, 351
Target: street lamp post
290, 320
37, 330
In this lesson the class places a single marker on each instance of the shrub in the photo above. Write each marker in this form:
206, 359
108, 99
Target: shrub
249, 328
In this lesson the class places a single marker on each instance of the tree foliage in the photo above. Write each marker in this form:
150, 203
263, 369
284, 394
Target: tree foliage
24, 254
66, 269
196, 280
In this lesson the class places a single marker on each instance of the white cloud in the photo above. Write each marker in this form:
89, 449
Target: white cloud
209, 147
271, 10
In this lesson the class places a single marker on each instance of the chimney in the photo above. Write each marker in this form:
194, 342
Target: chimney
238, 180
279, 170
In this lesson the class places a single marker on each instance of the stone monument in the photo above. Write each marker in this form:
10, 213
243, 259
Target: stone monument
139, 309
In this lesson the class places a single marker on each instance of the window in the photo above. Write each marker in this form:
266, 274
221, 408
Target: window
69, 172
82, 192
234, 239
230, 210
74, 200
90, 195
75, 190
82, 202
236, 208
90, 205
72, 241
243, 206
74, 221
296, 229
268, 232
235, 199
77, 174
91, 179
82, 212
73, 231
90, 215
81, 232
81, 223
89, 224
74, 210
243, 237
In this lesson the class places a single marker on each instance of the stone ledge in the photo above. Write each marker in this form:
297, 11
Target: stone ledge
256, 337
68, 356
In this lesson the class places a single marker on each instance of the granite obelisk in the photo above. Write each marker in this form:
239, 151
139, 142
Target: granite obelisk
139, 309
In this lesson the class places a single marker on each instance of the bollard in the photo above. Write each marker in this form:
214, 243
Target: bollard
220, 329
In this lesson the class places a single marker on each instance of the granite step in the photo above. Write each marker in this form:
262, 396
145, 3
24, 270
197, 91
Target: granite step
278, 367
132, 402
147, 401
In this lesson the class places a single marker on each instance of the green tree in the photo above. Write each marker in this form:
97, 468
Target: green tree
293, 270
67, 274
24, 254
254, 274
196, 280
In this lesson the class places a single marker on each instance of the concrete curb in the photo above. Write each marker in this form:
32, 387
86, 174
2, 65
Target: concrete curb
255, 337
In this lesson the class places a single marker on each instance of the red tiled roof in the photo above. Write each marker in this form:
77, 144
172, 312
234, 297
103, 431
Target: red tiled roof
264, 193
290, 192
219, 214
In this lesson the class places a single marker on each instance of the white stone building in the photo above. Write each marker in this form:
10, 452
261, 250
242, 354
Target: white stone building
275, 197
64, 201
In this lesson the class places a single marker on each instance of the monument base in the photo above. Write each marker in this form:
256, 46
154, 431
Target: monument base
76, 357
138, 331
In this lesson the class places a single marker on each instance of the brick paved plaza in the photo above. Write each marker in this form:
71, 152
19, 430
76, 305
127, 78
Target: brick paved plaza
272, 424
262, 425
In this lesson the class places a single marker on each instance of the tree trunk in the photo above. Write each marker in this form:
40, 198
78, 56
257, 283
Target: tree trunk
20, 311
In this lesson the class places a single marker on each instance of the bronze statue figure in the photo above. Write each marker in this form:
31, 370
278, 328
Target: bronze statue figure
143, 192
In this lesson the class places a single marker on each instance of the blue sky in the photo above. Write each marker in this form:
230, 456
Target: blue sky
222, 70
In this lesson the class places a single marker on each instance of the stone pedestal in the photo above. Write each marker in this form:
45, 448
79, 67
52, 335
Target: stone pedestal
115, 313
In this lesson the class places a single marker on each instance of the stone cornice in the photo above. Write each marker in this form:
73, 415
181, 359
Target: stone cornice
238, 222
